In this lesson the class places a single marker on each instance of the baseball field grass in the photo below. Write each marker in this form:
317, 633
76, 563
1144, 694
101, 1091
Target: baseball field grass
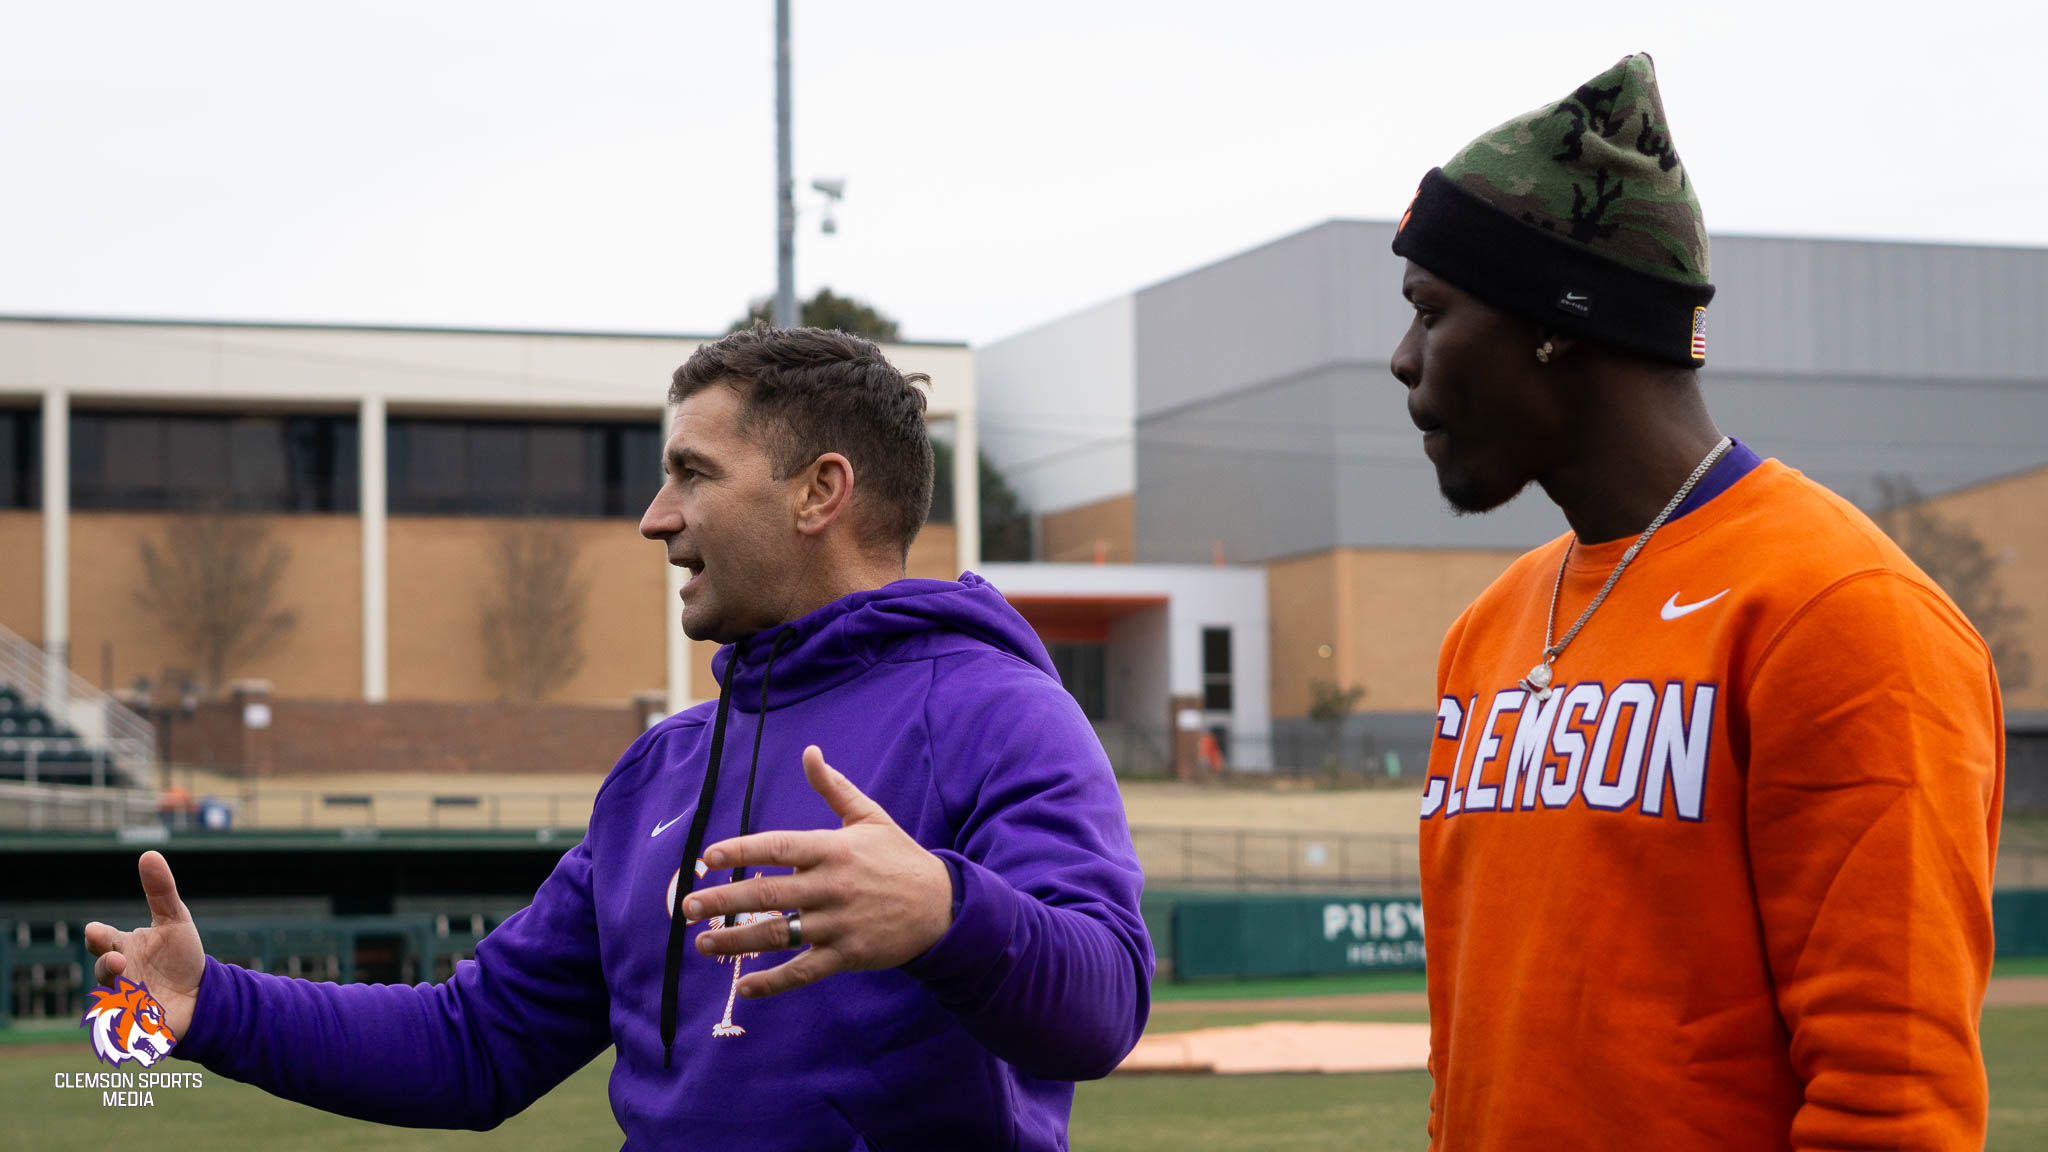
1376, 1112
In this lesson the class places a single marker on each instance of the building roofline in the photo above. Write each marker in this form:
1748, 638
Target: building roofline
420, 329
1717, 234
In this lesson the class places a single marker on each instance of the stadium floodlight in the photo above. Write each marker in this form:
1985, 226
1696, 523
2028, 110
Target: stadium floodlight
833, 189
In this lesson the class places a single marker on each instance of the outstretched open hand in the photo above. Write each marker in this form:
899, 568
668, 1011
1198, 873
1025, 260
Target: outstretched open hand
870, 896
166, 956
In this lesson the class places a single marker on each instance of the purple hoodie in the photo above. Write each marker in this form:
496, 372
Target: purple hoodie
937, 700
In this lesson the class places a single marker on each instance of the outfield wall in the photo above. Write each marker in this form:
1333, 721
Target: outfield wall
1237, 936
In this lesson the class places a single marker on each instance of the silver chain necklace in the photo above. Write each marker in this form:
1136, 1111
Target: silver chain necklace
1539, 678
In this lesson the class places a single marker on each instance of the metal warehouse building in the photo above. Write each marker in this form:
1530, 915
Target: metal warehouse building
1244, 414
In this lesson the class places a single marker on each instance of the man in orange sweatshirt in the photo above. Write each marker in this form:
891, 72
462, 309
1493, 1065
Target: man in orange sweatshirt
1708, 832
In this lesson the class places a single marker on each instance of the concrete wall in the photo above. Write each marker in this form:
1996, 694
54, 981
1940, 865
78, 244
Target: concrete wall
21, 573
1139, 678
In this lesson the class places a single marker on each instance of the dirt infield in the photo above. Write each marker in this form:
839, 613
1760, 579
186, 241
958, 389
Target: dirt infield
2007, 991
1301, 1005
1284, 1046
1329, 1046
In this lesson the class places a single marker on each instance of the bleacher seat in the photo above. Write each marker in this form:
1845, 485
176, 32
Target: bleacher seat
28, 722
60, 755
57, 761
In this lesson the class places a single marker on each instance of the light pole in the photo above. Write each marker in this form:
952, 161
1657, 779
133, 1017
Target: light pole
143, 704
785, 192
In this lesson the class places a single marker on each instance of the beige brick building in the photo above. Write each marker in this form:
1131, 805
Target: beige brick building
386, 465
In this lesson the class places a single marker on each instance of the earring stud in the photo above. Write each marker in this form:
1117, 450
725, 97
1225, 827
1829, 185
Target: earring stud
1543, 352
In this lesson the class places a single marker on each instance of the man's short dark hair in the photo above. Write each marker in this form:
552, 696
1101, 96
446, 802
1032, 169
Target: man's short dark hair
809, 391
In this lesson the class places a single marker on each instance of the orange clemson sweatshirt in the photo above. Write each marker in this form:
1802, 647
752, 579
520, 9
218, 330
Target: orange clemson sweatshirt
1729, 885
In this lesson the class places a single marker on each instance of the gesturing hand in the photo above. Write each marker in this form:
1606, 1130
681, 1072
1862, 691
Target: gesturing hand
871, 897
166, 956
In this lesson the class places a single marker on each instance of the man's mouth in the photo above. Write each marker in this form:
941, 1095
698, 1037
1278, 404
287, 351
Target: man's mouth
694, 567
1432, 434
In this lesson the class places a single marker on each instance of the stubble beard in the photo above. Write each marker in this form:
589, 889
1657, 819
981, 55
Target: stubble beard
1465, 499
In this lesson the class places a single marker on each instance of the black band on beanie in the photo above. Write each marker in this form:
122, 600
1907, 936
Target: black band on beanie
1542, 276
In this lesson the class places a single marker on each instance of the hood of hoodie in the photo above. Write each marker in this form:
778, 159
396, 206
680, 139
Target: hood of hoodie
903, 620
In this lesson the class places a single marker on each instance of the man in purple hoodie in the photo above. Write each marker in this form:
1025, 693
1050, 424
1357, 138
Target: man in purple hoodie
963, 882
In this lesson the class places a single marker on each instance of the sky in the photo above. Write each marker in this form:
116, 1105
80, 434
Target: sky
610, 166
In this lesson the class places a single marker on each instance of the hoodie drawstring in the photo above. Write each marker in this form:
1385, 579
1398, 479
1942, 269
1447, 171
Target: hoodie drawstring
739, 872
693, 845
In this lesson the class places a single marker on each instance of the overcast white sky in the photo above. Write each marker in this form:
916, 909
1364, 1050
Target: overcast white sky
611, 166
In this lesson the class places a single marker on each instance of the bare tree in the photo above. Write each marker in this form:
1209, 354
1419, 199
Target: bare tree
533, 627
1959, 561
1329, 705
214, 583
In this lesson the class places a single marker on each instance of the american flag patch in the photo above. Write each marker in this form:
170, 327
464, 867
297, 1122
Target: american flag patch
1699, 333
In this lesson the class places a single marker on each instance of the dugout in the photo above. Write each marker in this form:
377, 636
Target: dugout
343, 904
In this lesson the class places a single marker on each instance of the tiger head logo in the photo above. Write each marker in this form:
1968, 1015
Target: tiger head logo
127, 1024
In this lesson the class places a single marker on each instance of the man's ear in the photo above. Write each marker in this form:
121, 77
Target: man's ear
825, 494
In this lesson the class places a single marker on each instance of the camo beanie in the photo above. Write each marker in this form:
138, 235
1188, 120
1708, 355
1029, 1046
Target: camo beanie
1579, 216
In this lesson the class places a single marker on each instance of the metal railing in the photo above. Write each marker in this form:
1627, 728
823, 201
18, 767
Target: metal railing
73, 808
1135, 751
99, 719
1271, 859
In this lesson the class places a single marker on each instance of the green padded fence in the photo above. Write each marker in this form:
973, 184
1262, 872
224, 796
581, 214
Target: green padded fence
1236, 935
2020, 918
1260, 936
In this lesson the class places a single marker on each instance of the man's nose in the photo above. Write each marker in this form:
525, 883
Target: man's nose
1406, 364
663, 518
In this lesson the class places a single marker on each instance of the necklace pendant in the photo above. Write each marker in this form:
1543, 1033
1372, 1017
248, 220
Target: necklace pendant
1538, 681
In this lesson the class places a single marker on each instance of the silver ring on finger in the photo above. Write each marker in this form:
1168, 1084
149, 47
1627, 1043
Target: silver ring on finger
795, 920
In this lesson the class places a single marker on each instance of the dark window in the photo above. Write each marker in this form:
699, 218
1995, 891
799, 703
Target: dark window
506, 468
1216, 669
21, 458
942, 483
152, 461
1084, 669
